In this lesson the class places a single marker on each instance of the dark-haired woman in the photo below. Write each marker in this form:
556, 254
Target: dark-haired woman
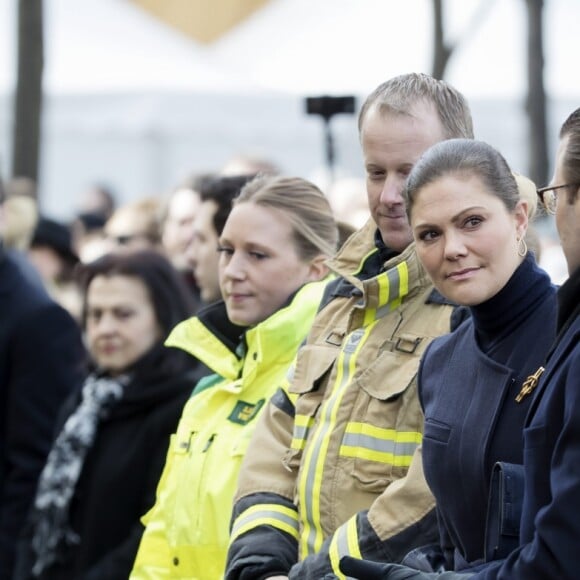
101, 473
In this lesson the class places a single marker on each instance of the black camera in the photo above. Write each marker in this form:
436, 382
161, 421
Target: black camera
327, 106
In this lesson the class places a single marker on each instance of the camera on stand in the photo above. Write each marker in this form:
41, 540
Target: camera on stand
327, 106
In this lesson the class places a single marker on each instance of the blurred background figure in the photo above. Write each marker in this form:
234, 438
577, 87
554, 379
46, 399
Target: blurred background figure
542, 237
348, 198
553, 259
345, 230
51, 252
101, 473
134, 226
217, 195
21, 212
98, 199
41, 362
527, 191
88, 236
248, 163
177, 217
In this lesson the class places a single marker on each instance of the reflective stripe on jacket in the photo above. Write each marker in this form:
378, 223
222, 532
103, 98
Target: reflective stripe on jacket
187, 531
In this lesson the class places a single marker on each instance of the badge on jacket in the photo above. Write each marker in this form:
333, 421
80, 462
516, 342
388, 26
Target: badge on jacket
244, 412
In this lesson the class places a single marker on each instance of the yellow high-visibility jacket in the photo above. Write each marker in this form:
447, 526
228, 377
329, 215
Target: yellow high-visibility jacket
338, 470
187, 530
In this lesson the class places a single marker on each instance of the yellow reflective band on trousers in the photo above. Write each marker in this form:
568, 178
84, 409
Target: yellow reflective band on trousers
311, 480
377, 444
277, 516
344, 543
302, 424
393, 286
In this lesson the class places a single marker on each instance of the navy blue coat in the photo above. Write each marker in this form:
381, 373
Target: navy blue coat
41, 362
468, 383
550, 527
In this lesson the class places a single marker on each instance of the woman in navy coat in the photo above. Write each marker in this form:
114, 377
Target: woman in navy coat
476, 383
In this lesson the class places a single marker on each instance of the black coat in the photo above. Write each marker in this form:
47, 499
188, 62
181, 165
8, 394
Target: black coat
468, 383
120, 474
41, 362
550, 526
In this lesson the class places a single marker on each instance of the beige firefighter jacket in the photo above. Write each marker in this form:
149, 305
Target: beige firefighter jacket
357, 421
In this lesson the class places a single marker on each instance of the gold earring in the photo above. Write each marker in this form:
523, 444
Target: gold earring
522, 247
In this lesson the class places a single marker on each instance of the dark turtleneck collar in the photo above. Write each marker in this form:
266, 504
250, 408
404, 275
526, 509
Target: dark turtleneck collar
375, 263
501, 314
385, 253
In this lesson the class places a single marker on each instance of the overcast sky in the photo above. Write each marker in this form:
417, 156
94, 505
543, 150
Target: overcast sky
301, 46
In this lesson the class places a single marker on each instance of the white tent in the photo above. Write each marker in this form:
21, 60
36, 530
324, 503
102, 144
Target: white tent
137, 104
303, 46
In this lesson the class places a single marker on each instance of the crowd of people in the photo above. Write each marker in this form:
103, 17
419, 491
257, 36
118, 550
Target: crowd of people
237, 381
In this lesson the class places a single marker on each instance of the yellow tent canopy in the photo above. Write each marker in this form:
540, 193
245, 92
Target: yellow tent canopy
202, 20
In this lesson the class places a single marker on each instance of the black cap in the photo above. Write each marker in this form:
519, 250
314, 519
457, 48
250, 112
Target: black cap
54, 235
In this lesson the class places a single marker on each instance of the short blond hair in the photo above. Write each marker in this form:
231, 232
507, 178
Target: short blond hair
303, 204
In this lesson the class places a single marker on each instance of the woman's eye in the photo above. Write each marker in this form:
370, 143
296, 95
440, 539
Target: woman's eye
428, 236
225, 250
258, 255
473, 221
123, 314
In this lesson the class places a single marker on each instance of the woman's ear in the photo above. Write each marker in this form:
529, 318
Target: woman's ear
521, 217
317, 268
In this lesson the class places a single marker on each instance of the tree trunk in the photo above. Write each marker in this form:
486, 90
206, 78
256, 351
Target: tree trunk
536, 97
441, 51
28, 100
443, 47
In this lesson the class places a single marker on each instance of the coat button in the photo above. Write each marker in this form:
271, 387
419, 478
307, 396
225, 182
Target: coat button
176, 561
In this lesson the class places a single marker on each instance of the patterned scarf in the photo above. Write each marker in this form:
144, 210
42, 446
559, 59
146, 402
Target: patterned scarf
58, 480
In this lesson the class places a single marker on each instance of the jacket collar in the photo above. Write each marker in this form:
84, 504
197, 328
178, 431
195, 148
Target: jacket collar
357, 249
352, 264
274, 339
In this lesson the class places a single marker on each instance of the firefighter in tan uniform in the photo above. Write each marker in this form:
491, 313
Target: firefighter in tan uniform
327, 472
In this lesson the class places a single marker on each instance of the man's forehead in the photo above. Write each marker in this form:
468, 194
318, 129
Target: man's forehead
402, 138
421, 115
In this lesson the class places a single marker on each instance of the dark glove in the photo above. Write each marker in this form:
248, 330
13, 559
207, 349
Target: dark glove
366, 570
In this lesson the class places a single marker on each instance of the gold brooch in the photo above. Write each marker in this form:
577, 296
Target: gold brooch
529, 385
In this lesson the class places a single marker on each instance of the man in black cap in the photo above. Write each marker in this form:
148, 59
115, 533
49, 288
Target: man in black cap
51, 252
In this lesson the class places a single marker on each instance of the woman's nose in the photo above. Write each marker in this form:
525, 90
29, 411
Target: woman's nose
454, 246
107, 324
235, 268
